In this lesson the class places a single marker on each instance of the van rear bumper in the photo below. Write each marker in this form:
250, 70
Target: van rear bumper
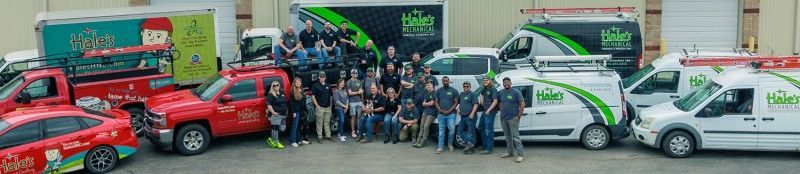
619, 131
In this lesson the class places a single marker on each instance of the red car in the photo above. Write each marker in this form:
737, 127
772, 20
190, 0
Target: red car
64, 138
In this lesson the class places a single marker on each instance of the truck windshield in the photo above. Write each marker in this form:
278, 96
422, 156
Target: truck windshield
503, 41
628, 82
210, 87
694, 99
7, 89
2, 62
3, 125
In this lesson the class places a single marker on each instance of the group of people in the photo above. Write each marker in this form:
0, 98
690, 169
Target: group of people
406, 103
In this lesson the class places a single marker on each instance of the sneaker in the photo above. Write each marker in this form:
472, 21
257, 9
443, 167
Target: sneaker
342, 138
469, 151
270, 143
295, 145
354, 134
451, 148
319, 140
386, 140
416, 146
304, 142
439, 151
278, 145
519, 159
506, 155
486, 152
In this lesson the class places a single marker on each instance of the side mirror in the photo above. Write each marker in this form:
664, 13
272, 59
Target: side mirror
226, 98
23, 97
504, 57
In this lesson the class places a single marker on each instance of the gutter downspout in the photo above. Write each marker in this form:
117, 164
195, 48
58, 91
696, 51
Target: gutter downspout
45, 5
797, 27
275, 14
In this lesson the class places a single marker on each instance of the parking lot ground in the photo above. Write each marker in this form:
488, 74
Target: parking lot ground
249, 154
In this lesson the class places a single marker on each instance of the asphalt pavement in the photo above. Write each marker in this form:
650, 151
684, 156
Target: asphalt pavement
249, 154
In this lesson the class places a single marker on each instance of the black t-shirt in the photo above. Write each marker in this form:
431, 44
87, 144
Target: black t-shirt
328, 37
377, 101
418, 68
298, 106
369, 56
391, 81
322, 93
397, 61
391, 105
308, 39
346, 35
278, 103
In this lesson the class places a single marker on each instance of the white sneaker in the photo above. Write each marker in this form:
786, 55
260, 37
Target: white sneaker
295, 145
341, 138
304, 142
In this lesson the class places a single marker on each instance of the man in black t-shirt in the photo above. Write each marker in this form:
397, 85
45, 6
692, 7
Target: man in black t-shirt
329, 40
321, 97
392, 58
347, 42
309, 39
390, 80
366, 58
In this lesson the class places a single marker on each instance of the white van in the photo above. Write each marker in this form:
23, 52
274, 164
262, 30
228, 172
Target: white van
743, 109
463, 64
7, 72
569, 102
667, 79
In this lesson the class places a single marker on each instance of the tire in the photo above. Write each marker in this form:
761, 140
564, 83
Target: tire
101, 159
595, 137
137, 120
192, 139
678, 144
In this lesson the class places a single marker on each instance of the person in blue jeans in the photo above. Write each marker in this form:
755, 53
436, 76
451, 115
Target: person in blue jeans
309, 39
298, 105
329, 40
467, 107
446, 99
341, 105
488, 100
373, 110
391, 122
289, 44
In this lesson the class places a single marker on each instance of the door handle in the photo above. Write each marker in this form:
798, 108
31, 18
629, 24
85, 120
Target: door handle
767, 119
524, 113
642, 106
541, 112
749, 119
674, 96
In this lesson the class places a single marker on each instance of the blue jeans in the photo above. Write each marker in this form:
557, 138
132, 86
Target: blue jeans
301, 58
340, 113
367, 123
316, 53
336, 51
466, 130
391, 126
293, 136
446, 122
487, 130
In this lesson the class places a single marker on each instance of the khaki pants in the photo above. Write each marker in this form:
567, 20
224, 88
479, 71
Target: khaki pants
323, 121
404, 132
425, 128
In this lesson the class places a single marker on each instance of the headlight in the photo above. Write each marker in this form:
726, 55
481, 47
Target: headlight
647, 121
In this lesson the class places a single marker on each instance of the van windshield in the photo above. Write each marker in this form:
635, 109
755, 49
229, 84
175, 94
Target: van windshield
503, 41
210, 87
694, 99
629, 81
9, 87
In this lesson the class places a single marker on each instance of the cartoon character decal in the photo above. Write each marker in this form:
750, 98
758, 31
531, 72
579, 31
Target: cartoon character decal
91, 102
53, 161
156, 31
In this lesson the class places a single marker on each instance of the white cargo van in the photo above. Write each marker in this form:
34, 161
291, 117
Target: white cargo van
7, 73
463, 64
570, 101
667, 78
747, 108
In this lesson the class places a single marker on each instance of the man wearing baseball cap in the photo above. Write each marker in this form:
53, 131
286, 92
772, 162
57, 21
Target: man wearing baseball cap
321, 97
407, 83
467, 107
428, 76
409, 122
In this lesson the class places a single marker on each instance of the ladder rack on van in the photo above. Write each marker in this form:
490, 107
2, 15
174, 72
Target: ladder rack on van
764, 61
696, 51
547, 13
71, 60
570, 63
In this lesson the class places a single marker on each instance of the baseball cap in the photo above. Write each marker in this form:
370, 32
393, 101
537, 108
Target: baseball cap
370, 70
420, 74
427, 65
354, 71
322, 74
408, 67
408, 101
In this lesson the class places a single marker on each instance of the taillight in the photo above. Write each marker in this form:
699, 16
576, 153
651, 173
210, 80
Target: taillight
624, 106
639, 62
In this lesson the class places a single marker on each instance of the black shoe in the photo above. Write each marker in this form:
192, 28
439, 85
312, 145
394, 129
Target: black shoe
394, 141
386, 140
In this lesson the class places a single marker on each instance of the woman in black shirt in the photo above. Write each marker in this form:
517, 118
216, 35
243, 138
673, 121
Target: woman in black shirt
298, 105
276, 112
390, 121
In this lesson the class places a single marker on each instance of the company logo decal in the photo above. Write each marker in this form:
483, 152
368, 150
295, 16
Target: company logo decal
248, 115
783, 101
697, 80
615, 39
15, 164
90, 39
417, 23
548, 96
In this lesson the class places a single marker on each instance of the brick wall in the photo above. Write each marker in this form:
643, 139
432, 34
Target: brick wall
750, 13
652, 31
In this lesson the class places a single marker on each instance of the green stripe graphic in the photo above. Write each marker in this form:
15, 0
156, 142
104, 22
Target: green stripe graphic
335, 18
572, 44
599, 103
717, 69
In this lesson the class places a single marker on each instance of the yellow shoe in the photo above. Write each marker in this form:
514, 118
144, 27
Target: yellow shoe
278, 145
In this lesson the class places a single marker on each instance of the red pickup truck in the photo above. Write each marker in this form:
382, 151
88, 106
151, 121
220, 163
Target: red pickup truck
229, 103
125, 89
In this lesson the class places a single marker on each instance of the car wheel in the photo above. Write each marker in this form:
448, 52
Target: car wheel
192, 139
595, 137
137, 120
678, 144
101, 159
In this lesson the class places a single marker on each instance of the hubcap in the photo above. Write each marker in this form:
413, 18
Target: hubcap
596, 138
137, 122
679, 145
192, 140
101, 159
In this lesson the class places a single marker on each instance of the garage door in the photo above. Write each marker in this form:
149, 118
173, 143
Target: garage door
706, 23
226, 20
